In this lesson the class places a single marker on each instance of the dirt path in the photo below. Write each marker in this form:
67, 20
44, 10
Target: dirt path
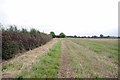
14, 66
65, 69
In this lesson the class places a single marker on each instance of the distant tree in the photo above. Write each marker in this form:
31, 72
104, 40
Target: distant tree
101, 35
108, 36
75, 36
57, 36
62, 35
94, 36
53, 34
88, 36
83, 37
69, 36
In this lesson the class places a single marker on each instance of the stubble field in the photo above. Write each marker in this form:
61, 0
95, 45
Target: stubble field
71, 58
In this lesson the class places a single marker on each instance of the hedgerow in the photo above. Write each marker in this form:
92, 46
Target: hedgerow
17, 41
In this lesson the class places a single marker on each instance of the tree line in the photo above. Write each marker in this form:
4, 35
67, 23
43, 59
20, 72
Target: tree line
61, 35
101, 36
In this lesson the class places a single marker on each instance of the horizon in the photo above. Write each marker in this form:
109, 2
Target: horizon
5, 27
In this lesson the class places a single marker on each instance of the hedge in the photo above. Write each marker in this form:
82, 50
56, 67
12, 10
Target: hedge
15, 41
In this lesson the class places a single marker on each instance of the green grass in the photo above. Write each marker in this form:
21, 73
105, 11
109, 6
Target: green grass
11, 66
48, 65
110, 49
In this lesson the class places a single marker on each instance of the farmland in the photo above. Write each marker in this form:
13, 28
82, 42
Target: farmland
67, 58
91, 57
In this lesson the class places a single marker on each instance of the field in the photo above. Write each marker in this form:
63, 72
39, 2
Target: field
90, 58
67, 58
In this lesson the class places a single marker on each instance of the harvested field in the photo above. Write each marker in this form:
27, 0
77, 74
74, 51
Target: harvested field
91, 58
68, 58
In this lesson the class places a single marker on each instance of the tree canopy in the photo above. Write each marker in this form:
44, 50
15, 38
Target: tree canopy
53, 34
62, 35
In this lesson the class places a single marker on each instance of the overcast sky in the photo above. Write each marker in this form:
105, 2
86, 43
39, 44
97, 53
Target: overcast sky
73, 17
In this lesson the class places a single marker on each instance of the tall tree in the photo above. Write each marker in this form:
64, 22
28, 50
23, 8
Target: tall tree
53, 34
101, 35
62, 35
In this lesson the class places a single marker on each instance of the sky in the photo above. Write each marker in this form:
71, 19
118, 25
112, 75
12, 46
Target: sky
72, 17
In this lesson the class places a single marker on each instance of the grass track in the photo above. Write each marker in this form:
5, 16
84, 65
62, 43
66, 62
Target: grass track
47, 66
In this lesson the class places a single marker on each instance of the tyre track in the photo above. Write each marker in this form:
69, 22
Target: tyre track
65, 69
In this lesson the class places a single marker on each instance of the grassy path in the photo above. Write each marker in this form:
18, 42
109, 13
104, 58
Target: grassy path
25, 61
47, 66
